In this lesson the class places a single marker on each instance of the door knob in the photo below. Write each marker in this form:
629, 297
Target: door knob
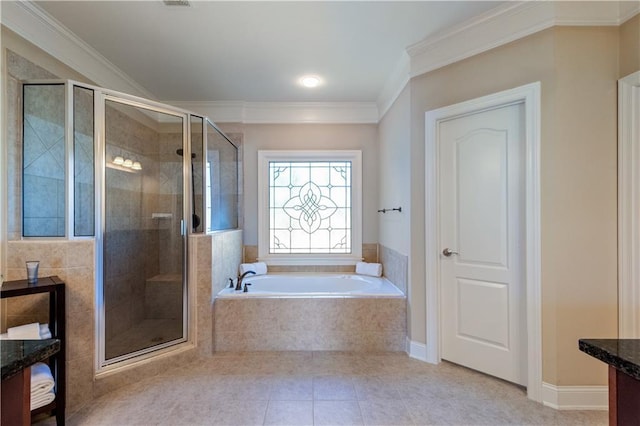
448, 252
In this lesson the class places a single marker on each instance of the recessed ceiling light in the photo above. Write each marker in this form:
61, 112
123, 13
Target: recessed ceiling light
310, 81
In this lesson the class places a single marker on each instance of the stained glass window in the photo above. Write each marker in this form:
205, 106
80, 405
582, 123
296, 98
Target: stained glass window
310, 207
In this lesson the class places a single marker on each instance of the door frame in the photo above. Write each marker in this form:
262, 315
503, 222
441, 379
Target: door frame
529, 96
628, 205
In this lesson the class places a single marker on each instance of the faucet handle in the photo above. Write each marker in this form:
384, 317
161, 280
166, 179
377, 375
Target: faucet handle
246, 290
231, 283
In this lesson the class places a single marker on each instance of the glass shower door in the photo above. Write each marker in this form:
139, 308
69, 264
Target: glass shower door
144, 246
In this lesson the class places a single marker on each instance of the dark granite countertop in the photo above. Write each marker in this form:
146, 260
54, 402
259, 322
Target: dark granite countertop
16, 355
622, 354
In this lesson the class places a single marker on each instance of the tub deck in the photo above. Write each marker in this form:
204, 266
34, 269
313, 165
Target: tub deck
318, 322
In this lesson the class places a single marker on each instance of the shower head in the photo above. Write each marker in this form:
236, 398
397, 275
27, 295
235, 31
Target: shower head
180, 152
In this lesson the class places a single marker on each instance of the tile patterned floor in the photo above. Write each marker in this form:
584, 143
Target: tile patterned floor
323, 388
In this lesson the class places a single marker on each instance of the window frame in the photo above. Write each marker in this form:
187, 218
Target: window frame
267, 156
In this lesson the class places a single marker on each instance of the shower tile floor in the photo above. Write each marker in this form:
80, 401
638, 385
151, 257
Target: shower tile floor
323, 388
144, 334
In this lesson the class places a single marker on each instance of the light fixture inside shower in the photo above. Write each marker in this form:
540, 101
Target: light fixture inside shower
125, 164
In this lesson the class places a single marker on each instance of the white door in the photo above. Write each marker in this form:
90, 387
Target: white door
481, 186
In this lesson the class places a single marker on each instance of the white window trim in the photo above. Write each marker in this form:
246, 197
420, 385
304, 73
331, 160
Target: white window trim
264, 157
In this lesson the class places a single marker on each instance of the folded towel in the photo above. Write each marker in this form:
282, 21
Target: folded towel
41, 379
25, 332
372, 269
42, 400
45, 333
42, 385
260, 268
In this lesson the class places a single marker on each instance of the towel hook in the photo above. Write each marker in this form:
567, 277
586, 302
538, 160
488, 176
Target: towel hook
399, 209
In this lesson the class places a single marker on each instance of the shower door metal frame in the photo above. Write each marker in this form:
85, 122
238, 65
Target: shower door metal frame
100, 98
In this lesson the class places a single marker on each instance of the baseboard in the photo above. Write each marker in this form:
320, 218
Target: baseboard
575, 397
416, 350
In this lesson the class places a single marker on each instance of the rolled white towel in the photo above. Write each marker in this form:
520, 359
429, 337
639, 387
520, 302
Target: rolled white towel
24, 332
41, 379
42, 400
260, 268
244, 267
372, 269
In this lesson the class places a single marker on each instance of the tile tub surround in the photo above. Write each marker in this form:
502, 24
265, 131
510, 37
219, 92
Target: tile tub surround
217, 257
369, 254
395, 267
322, 388
290, 324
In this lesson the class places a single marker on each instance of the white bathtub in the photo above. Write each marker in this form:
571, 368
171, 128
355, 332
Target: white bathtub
314, 285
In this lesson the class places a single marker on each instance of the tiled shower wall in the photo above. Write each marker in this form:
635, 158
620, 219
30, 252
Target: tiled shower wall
129, 235
18, 69
44, 160
73, 262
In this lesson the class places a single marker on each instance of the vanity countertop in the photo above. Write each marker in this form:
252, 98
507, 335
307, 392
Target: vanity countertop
16, 355
622, 354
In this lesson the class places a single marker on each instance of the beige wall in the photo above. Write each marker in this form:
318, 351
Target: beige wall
630, 46
310, 137
579, 199
394, 143
577, 68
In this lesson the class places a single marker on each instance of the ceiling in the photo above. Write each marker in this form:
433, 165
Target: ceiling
257, 51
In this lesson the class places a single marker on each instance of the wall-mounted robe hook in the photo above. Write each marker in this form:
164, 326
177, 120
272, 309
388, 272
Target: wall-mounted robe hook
399, 209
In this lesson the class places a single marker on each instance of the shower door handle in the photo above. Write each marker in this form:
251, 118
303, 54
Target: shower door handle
182, 230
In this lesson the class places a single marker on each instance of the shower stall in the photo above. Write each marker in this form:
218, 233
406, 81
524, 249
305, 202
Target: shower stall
138, 177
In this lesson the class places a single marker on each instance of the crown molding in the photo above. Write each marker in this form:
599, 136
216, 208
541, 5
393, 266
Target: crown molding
394, 85
628, 9
38, 27
594, 13
499, 26
284, 112
512, 21
504, 24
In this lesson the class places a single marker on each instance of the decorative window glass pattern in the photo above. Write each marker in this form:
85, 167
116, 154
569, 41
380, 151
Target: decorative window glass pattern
310, 207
